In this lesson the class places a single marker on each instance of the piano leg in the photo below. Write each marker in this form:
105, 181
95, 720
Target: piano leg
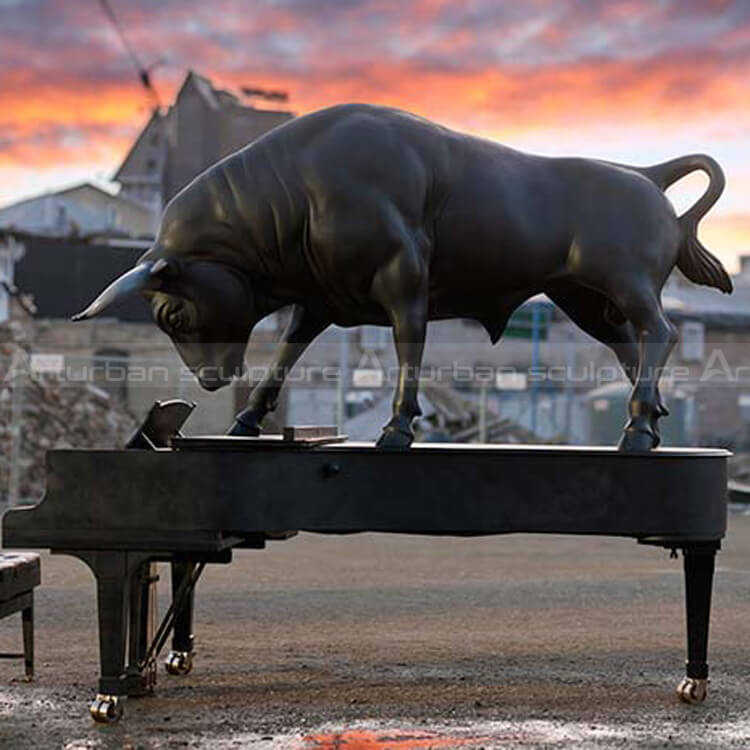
179, 661
141, 680
115, 572
699, 574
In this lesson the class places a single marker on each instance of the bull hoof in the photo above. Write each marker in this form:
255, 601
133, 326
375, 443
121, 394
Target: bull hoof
241, 429
396, 435
637, 441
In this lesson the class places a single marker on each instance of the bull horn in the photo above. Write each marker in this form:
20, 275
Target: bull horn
137, 279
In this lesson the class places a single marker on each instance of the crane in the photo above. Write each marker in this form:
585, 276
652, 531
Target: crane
144, 73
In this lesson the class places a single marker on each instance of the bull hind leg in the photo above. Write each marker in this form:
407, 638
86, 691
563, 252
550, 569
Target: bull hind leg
657, 337
593, 313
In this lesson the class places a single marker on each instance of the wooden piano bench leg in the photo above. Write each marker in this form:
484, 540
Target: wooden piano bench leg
27, 626
699, 573
23, 603
20, 573
179, 661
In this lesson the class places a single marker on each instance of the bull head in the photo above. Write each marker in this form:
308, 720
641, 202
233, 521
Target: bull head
206, 308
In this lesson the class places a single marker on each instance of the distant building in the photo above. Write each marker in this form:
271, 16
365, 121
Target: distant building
82, 210
61, 276
202, 126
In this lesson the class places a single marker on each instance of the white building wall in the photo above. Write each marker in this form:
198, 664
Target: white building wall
11, 251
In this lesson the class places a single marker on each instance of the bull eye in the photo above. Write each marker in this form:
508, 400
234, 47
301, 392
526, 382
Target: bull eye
169, 317
174, 319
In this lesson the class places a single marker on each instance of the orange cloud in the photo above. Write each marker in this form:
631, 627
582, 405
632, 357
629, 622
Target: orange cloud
65, 123
100, 118
672, 92
503, 70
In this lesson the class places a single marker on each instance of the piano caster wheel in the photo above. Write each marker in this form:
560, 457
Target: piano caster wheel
692, 690
179, 662
106, 709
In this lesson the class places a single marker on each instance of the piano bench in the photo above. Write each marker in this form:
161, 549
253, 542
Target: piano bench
20, 572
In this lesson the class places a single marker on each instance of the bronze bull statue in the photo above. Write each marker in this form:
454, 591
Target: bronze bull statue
367, 215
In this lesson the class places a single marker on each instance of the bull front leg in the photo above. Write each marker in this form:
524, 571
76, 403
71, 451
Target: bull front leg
402, 290
302, 329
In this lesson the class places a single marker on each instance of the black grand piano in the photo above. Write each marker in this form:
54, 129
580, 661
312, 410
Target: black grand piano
191, 501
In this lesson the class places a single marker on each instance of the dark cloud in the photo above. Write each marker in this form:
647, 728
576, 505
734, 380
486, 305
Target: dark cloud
475, 61
289, 35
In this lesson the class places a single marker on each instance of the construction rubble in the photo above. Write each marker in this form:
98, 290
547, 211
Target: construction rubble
42, 411
451, 417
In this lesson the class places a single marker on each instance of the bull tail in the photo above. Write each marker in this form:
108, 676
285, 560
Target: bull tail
694, 260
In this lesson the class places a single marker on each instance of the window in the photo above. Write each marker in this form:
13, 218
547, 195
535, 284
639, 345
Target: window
61, 217
373, 338
691, 341
743, 401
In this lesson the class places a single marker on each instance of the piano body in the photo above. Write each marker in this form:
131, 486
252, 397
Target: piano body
191, 501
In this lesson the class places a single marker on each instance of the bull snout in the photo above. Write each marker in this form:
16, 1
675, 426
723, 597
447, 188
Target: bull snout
211, 378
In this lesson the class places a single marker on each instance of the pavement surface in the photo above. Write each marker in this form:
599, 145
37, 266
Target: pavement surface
376, 642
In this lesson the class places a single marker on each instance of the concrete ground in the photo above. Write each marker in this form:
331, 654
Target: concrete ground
372, 642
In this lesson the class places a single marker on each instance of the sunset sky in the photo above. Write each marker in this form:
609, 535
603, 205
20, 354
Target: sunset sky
637, 81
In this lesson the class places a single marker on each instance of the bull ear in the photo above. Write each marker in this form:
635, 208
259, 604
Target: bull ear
160, 266
138, 279
164, 270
